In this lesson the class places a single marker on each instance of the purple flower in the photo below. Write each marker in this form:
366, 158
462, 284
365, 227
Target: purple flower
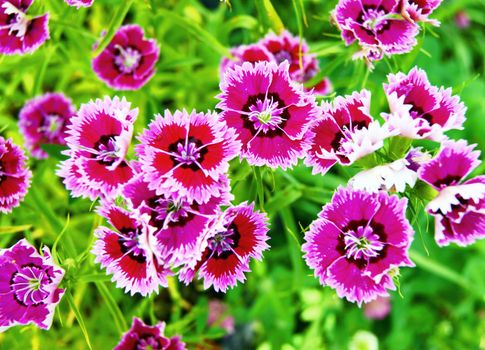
419, 10
14, 175
44, 120
178, 224
344, 132
128, 62
377, 309
20, 33
28, 286
420, 110
357, 241
125, 251
99, 138
377, 26
237, 236
144, 337
271, 115
459, 207
79, 3
187, 154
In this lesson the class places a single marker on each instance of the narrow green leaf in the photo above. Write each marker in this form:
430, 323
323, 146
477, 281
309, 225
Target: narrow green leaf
54, 150
259, 186
284, 198
13, 229
79, 318
113, 307
269, 17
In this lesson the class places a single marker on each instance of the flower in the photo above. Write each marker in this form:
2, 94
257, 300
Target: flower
237, 236
178, 224
100, 135
270, 114
344, 132
389, 177
459, 207
357, 240
79, 3
144, 337
128, 62
418, 11
303, 66
126, 253
377, 309
378, 27
14, 175
20, 33
462, 19
219, 316
28, 286
44, 120
420, 110
188, 154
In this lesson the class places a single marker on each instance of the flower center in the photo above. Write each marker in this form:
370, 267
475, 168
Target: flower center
187, 154
363, 243
29, 285
222, 242
168, 210
51, 126
374, 19
19, 22
282, 56
127, 60
265, 114
108, 150
148, 343
130, 244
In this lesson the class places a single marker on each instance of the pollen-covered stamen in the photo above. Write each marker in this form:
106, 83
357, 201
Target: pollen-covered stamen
130, 244
265, 114
128, 59
19, 23
222, 242
108, 151
187, 154
362, 244
51, 126
28, 285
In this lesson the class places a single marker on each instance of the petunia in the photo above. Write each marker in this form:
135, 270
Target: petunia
144, 337
459, 207
419, 10
125, 251
344, 132
19, 32
29, 286
377, 26
238, 236
419, 110
79, 3
188, 154
178, 224
44, 120
128, 62
357, 241
270, 114
100, 135
14, 175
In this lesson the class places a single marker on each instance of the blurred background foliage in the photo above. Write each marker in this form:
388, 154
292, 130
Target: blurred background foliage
281, 306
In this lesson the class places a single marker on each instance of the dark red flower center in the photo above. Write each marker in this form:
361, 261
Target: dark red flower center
107, 150
129, 242
29, 285
223, 244
188, 153
362, 243
148, 342
51, 126
266, 115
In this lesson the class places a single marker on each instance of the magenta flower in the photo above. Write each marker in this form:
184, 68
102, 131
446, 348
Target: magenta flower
79, 3
144, 337
377, 309
125, 251
237, 236
344, 133
14, 175
270, 114
179, 225
219, 316
420, 110
303, 66
99, 138
128, 62
459, 207
357, 241
377, 26
28, 286
20, 33
44, 120
419, 10
187, 154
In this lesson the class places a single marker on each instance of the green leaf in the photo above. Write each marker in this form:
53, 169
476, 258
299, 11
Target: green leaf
13, 229
79, 318
55, 151
113, 307
269, 17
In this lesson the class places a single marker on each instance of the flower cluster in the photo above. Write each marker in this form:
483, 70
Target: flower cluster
382, 27
303, 66
28, 286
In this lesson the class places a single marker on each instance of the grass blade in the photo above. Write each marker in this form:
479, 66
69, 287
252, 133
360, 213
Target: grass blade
79, 318
113, 307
